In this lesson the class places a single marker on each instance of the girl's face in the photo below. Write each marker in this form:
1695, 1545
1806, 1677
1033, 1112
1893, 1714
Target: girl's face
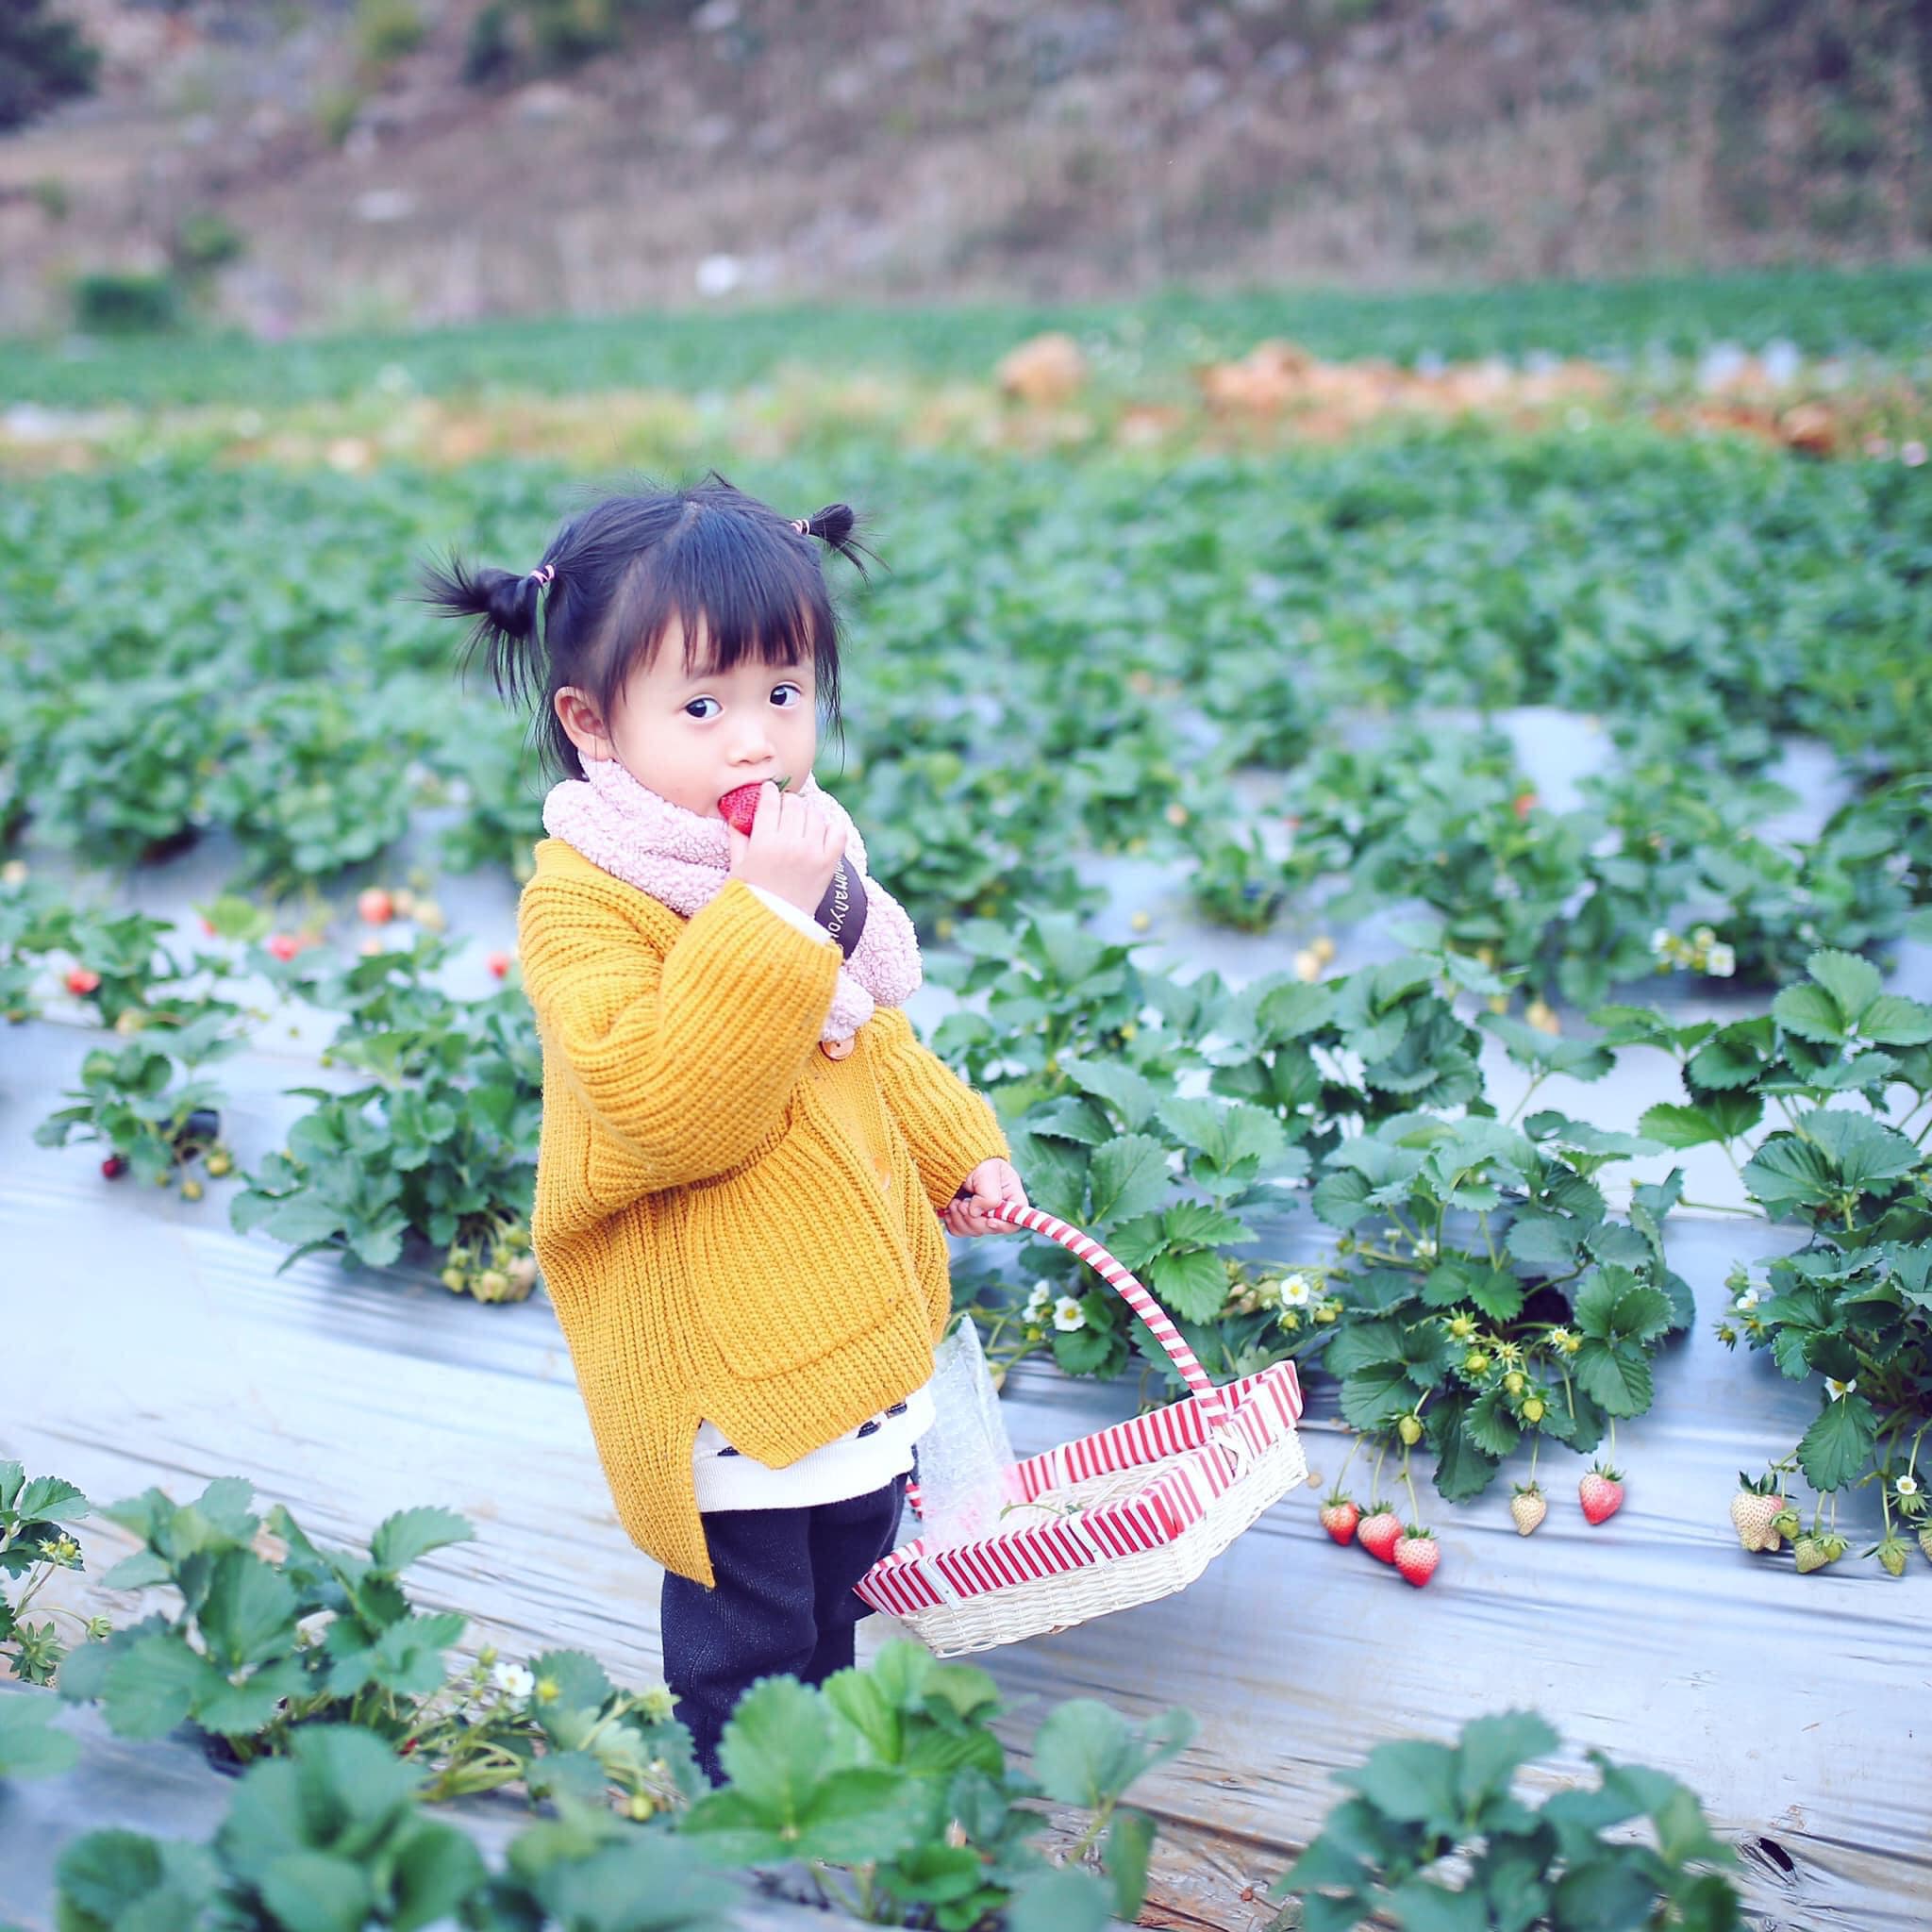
692, 738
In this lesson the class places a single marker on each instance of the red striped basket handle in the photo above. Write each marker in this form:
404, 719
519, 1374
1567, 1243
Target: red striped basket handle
1214, 1409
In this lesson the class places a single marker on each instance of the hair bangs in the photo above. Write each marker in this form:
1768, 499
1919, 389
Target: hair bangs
736, 583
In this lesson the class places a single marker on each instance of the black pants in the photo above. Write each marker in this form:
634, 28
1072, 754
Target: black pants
783, 1605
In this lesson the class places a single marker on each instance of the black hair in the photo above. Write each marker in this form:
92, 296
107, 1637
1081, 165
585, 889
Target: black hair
616, 573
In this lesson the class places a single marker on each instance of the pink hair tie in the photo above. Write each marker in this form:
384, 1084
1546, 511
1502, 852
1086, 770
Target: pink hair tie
543, 572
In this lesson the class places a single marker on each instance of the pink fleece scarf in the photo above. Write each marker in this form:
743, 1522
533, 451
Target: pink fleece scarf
684, 858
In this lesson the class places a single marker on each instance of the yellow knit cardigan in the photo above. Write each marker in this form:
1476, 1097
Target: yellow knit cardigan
732, 1226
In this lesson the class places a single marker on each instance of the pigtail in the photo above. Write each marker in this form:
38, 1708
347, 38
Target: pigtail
834, 525
505, 606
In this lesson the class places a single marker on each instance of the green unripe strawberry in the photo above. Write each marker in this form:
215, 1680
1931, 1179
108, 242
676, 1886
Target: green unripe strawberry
1514, 1383
1533, 1410
1411, 1430
1475, 1362
1925, 1541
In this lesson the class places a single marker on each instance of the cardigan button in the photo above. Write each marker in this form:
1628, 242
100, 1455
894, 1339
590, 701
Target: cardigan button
838, 1049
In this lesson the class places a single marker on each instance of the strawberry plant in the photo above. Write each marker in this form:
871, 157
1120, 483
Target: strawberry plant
140, 1101
1850, 1308
1434, 1836
34, 1543
35, 921
479, 772
888, 1785
1438, 820
238, 1667
951, 839
151, 729
1085, 1085
884, 1788
332, 1838
437, 1145
311, 786
1236, 883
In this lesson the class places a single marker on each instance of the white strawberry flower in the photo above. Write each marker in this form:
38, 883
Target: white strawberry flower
1037, 1301
1907, 1486
513, 1679
657, 1704
1660, 940
1068, 1314
1747, 1301
1426, 1247
1297, 1291
1722, 962
1837, 1391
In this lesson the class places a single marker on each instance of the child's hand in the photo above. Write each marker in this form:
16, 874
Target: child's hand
794, 848
990, 1184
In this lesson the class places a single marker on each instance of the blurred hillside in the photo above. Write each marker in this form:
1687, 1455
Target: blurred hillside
380, 163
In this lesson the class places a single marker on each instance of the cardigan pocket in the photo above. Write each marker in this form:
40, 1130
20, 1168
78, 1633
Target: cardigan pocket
784, 1254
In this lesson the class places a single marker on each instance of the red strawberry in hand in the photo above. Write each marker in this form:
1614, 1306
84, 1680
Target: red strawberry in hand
1379, 1531
1340, 1517
1417, 1555
740, 807
1601, 1492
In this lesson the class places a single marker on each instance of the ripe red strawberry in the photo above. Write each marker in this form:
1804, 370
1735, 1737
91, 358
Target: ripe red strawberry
1379, 1531
375, 907
113, 1166
82, 980
1524, 803
1601, 1492
739, 806
1340, 1516
498, 964
284, 945
1528, 1506
1417, 1555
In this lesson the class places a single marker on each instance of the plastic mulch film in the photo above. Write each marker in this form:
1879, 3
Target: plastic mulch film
152, 1345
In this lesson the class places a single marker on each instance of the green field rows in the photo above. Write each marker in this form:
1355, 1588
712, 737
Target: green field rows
1885, 311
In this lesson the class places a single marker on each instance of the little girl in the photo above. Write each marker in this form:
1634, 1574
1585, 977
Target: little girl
746, 1157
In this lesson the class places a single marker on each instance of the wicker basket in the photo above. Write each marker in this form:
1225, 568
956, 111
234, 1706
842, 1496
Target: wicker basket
1120, 1517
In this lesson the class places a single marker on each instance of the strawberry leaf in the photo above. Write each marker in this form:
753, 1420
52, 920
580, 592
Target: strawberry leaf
1616, 1373
1491, 1426
1127, 1178
1838, 1442
1892, 1019
1853, 982
1811, 1013
1191, 1282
